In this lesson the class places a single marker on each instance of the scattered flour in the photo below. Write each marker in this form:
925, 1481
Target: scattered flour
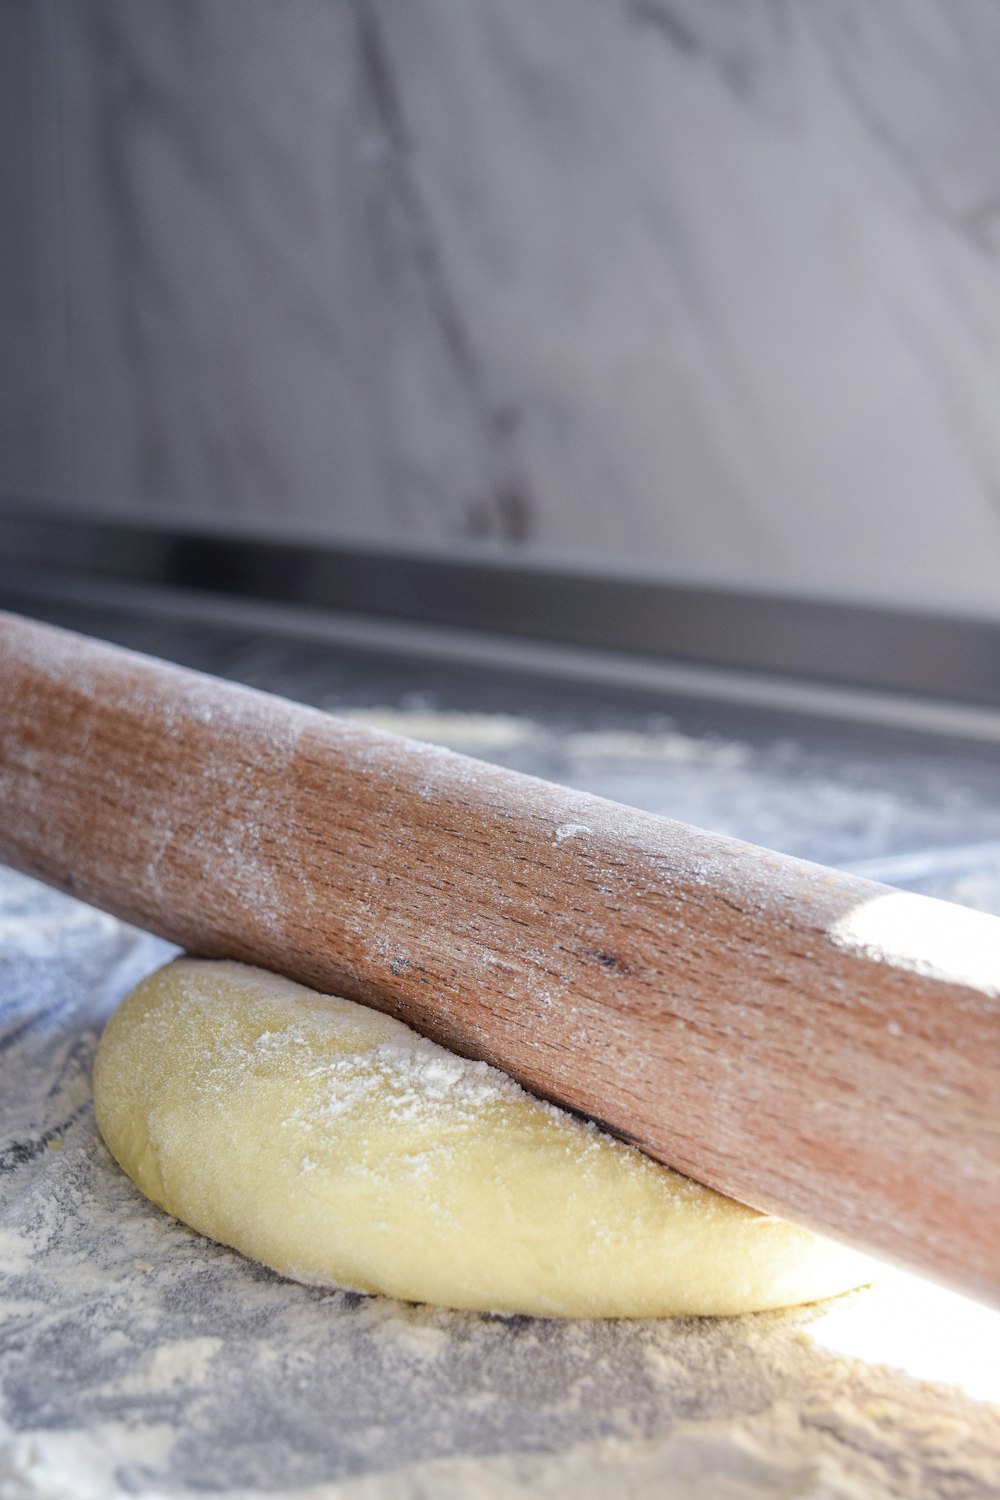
139, 1359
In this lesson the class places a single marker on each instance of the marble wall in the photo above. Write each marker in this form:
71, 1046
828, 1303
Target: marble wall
691, 287
22, 394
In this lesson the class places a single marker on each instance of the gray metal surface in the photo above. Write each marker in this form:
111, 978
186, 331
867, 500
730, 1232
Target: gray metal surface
862, 646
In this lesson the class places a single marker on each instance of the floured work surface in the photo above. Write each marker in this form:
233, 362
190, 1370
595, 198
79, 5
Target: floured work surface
138, 1358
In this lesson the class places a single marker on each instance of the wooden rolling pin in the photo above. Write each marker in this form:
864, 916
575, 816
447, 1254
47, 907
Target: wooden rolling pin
811, 1043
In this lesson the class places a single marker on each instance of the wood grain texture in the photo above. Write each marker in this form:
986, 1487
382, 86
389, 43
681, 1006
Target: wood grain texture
812, 1043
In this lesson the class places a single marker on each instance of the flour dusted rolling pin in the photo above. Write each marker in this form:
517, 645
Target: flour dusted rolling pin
811, 1043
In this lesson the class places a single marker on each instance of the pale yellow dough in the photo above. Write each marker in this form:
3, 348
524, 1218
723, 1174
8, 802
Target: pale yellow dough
335, 1145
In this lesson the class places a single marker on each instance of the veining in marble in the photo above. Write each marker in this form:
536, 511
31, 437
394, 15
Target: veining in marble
675, 286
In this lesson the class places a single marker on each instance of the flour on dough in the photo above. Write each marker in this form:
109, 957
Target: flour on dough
337, 1146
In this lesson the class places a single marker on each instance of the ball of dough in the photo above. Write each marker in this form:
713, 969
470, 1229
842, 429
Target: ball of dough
337, 1146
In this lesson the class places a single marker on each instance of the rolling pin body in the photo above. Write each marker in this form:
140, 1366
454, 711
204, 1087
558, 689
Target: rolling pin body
814, 1044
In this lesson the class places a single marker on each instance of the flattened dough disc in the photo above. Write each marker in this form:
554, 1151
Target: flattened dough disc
337, 1146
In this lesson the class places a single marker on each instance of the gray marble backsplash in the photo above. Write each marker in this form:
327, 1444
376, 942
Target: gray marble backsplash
686, 287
